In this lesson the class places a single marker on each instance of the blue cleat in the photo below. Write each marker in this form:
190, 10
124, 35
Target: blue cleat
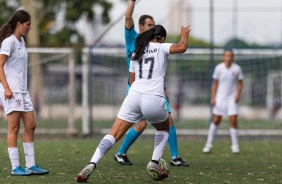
19, 171
36, 170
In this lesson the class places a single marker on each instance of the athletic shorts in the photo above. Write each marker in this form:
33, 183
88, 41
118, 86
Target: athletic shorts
225, 107
168, 109
20, 102
137, 104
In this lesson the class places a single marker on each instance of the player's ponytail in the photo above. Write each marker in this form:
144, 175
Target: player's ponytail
143, 40
9, 28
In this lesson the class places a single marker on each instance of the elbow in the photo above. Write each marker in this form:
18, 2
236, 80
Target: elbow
183, 49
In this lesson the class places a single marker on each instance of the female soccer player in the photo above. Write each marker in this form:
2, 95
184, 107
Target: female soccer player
145, 23
13, 92
146, 95
225, 95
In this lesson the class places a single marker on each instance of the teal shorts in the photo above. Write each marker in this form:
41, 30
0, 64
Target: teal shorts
167, 105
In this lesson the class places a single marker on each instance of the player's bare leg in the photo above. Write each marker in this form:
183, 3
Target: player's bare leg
234, 133
140, 127
28, 144
13, 128
119, 128
12, 135
29, 126
212, 132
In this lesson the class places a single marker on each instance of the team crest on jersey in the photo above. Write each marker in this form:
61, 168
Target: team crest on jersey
234, 74
19, 102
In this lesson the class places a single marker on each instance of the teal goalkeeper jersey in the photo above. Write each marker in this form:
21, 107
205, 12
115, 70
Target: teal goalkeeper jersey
130, 36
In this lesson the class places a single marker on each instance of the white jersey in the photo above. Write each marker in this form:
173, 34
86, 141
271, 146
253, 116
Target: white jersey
150, 69
15, 67
227, 80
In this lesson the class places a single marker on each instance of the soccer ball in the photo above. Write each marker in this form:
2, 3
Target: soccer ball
158, 172
164, 165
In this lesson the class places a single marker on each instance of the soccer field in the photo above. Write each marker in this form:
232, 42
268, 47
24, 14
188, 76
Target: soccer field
258, 162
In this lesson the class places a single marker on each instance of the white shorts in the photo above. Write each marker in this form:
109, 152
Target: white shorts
20, 102
225, 107
136, 105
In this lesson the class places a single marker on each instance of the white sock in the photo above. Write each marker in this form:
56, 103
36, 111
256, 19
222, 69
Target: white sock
29, 154
14, 157
105, 145
234, 136
211, 134
161, 138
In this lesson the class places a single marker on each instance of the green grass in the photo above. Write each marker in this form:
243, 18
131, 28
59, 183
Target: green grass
258, 162
203, 124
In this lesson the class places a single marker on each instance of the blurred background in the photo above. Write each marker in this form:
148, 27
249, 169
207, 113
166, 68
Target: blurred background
78, 72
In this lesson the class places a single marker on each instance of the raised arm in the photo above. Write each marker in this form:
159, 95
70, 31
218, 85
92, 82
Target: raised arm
181, 46
128, 14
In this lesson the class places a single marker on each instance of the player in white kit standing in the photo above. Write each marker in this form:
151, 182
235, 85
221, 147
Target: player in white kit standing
225, 95
13, 92
146, 96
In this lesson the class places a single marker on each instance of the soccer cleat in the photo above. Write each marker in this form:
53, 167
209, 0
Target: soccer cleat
235, 149
207, 148
178, 162
19, 171
36, 170
122, 159
84, 174
156, 172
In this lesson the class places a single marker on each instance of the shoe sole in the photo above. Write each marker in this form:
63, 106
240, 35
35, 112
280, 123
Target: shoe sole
84, 175
180, 165
21, 174
39, 173
207, 151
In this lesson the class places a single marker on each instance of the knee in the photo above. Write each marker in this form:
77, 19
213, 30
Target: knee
31, 126
164, 126
216, 123
234, 125
14, 129
140, 127
216, 120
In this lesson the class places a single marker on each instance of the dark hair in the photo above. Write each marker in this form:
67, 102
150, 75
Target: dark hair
228, 50
143, 18
144, 38
9, 28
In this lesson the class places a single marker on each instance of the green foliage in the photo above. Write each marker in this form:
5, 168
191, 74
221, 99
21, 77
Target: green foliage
7, 8
48, 11
193, 42
239, 43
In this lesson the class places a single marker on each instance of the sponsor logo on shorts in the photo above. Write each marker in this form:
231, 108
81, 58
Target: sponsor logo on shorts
19, 102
